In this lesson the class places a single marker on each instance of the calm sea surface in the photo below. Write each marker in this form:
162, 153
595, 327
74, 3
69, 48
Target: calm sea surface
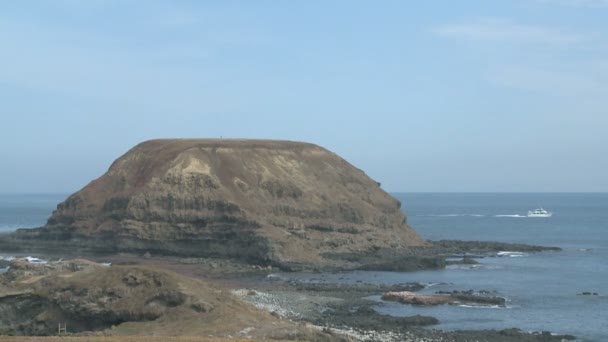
542, 289
26, 210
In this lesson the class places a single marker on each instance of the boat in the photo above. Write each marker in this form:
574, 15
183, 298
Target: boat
540, 212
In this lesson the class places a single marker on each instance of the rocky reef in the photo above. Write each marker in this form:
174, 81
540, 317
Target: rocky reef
268, 202
455, 297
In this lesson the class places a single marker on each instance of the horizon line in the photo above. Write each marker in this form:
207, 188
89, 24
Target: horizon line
388, 191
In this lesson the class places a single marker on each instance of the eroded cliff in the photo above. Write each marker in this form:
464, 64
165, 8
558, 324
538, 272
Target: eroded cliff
260, 200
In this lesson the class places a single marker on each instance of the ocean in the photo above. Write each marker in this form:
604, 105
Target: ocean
542, 289
26, 210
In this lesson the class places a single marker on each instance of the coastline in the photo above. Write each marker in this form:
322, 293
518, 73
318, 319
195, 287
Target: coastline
342, 309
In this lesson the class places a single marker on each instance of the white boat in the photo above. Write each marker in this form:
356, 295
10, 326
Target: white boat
540, 212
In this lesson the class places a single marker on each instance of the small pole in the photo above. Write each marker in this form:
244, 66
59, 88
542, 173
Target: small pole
63, 329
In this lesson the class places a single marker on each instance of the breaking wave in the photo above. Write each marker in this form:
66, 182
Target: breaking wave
511, 254
481, 306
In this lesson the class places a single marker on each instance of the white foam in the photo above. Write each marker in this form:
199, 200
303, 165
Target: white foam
33, 260
463, 267
510, 215
454, 215
435, 284
480, 306
275, 276
511, 254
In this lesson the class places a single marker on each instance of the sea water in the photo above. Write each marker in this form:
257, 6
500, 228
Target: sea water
542, 289
26, 210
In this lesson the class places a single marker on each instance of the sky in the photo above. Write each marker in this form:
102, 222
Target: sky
424, 96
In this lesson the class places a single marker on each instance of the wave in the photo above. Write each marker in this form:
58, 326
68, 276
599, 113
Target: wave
29, 259
472, 215
481, 306
464, 267
475, 215
34, 260
275, 276
511, 254
474, 267
436, 284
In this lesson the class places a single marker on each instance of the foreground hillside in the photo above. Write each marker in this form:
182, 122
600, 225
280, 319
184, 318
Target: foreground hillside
123, 339
129, 300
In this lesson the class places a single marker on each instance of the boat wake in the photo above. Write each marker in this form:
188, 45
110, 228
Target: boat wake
473, 215
452, 215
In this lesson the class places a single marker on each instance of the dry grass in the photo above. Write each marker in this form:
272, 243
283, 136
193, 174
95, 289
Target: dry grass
121, 339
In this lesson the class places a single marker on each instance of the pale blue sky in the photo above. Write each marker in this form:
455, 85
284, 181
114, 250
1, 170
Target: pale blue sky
422, 95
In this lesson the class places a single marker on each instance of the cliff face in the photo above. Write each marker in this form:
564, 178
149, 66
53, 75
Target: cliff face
273, 201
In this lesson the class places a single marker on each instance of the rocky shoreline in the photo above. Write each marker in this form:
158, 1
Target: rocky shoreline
345, 309
437, 255
194, 229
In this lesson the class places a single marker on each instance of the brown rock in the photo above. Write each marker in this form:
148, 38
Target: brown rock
469, 297
267, 202
407, 297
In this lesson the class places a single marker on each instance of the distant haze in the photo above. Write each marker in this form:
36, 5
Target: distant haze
441, 96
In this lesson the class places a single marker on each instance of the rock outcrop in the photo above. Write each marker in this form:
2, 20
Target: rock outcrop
407, 297
128, 300
454, 297
273, 202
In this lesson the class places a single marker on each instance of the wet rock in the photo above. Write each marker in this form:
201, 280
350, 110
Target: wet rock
407, 297
458, 248
467, 297
4, 263
464, 261
367, 318
358, 288
471, 297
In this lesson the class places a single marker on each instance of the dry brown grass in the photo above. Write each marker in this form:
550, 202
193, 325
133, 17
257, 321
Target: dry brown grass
121, 339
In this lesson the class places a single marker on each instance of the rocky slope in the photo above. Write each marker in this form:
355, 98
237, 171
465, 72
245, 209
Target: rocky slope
274, 202
129, 300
